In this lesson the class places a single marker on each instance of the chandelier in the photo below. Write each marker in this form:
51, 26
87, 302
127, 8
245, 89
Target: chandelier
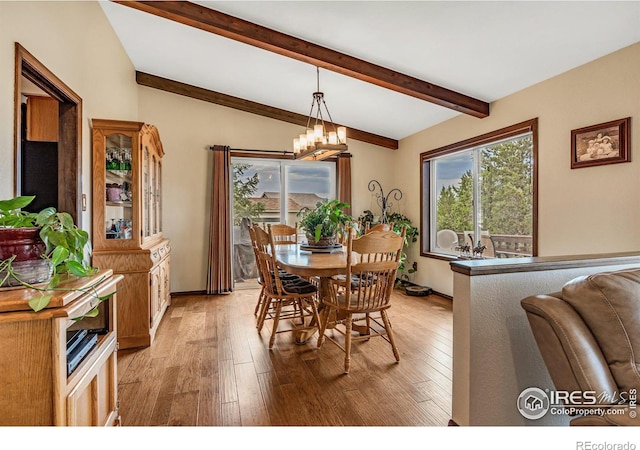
321, 139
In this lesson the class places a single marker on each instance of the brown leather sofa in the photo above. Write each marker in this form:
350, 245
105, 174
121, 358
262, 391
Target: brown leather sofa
589, 337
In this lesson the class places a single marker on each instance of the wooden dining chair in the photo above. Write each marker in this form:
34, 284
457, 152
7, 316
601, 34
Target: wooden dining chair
260, 239
378, 227
254, 246
340, 279
284, 234
286, 296
372, 260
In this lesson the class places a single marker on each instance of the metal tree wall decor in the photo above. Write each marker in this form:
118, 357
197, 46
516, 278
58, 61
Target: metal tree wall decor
383, 200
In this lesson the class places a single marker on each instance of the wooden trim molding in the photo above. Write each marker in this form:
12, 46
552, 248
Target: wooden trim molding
215, 22
503, 133
186, 293
69, 131
206, 95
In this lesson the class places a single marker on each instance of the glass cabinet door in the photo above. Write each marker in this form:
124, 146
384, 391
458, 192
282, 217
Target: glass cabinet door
146, 193
119, 202
154, 194
159, 197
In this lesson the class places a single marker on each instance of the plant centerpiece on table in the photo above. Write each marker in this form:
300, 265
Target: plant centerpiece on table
37, 249
323, 223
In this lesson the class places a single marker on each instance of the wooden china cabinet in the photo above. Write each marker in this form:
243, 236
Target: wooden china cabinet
127, 224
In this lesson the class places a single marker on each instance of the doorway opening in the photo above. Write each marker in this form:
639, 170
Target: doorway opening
47, 138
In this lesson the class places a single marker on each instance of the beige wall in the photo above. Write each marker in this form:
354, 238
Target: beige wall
590, 210
76, 42
581, 211
187, 128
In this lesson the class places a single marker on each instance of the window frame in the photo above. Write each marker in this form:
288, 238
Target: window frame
528, 126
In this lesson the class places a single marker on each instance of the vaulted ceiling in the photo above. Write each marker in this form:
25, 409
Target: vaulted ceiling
388, 68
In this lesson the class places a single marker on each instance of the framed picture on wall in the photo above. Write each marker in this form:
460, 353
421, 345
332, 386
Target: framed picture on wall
605, 143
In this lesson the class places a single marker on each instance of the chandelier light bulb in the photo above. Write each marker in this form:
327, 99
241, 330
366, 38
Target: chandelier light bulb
342, 135
310, 137
318, 133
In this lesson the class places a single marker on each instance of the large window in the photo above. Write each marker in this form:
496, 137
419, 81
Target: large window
272, 191
481, 193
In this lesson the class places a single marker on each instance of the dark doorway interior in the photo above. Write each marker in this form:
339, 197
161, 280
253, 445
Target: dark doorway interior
39, 170
38, 179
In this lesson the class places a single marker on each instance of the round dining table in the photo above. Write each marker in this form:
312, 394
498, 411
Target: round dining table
306, 263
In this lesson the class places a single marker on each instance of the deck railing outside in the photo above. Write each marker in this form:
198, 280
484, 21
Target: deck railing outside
502, 245
509, 246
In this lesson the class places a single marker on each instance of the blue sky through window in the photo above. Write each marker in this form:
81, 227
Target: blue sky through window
449, 170
311, 178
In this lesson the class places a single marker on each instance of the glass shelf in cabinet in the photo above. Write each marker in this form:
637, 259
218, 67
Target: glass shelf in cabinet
119, 175
125, 204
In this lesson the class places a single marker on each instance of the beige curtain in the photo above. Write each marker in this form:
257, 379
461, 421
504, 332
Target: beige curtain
344, 179
219, 279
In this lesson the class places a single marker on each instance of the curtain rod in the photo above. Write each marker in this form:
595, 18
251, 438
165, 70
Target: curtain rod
279, 152
225, 147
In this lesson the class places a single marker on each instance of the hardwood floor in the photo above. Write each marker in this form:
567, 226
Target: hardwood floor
210, 367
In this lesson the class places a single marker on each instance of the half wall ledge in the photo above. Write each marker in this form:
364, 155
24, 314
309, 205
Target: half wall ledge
495, 356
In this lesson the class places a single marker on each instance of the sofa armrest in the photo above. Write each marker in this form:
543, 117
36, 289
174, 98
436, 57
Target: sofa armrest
568, 348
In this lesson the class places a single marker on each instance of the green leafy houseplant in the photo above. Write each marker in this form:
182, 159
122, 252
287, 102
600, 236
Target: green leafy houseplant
324, 221
411, 236
64, 246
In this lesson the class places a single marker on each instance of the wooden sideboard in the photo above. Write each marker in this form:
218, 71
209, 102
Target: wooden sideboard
144, 292
35, 387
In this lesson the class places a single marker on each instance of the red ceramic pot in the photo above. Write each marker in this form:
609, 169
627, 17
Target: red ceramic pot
25, 243
28, 267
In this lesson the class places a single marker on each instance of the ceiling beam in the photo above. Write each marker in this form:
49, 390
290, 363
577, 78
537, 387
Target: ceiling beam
187, 90
250, 33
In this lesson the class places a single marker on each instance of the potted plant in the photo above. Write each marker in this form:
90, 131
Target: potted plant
322, 223
410, 236
36, 249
